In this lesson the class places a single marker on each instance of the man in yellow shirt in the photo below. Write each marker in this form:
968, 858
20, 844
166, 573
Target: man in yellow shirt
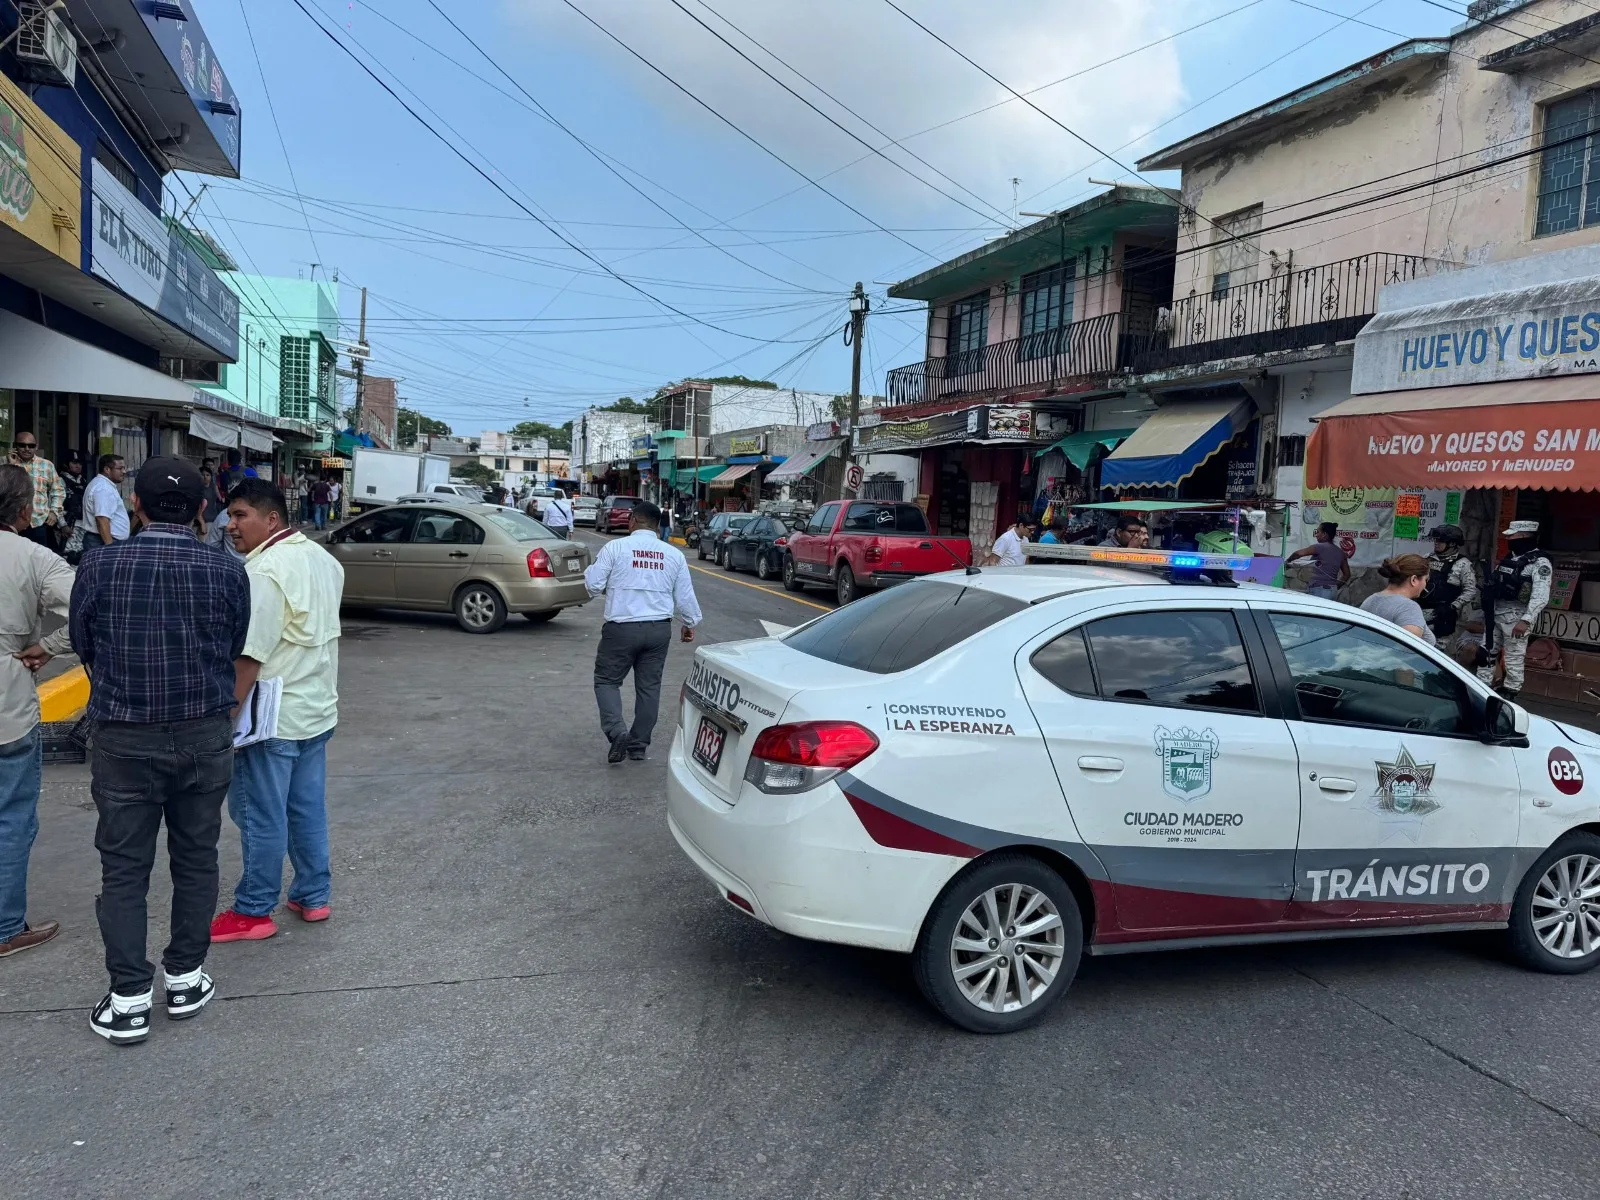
278, 796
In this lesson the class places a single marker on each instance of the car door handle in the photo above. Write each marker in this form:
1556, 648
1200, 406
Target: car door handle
459, 554
383, 554
1336, 785
924, 545
1091, 762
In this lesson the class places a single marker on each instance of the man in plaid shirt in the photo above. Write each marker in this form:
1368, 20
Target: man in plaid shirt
158, 620
48, 494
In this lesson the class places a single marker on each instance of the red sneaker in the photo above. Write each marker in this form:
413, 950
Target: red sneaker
230, 926
319, 912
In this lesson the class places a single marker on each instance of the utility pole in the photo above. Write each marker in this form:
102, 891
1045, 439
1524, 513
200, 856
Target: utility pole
361, 395
858, 328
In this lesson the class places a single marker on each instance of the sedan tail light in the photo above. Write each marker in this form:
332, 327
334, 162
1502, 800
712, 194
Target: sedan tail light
783, 541
539, 564
796, 758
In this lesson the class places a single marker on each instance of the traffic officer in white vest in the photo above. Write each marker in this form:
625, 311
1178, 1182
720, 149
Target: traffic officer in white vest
1514, 595
645, 581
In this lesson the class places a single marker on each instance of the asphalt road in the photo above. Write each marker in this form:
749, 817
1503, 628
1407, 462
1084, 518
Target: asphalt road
527, 990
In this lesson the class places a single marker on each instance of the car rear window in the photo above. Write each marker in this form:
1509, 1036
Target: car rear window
523, 529
902, 627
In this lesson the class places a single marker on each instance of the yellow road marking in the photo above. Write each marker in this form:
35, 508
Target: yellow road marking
784, 595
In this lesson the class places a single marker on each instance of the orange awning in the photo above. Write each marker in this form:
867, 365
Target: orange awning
1530, 433
732, 475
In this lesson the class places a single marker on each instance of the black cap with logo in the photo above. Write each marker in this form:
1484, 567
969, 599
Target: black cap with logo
169, 489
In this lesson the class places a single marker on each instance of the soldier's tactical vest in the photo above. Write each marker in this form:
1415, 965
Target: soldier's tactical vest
1508, 582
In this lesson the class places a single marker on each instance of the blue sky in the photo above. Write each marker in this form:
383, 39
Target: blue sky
490, 318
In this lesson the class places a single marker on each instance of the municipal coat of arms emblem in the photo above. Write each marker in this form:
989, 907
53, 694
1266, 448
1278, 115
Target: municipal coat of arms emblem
1186, 757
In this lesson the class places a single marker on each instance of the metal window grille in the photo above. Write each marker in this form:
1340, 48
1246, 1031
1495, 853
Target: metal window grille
969, 332
1569, 192
294, 378
1292, 450
1234, 253
1047, 302
114, 162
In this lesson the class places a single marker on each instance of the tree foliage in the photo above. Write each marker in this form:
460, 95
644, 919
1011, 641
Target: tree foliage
559, 436
475, 472
743, 381
411, 427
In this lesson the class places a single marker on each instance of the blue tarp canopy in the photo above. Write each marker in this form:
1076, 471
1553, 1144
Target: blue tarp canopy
1175, 442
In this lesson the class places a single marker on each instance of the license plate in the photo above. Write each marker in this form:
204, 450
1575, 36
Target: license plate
574, 564
708, 744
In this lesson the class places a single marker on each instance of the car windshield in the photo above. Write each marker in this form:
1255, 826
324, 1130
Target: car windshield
521, 528
740, 520
898, 629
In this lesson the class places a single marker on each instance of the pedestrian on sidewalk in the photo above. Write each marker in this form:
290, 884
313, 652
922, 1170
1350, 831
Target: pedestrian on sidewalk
158, 620
1330, 566
105, 516
645, 580
49, 497
321, 497
302, 496
33, 582
278, 798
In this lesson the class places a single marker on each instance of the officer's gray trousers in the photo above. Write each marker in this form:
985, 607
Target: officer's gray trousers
640, 647
1515, 649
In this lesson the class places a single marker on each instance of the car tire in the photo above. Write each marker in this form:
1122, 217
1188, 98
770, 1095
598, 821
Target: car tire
479, 608
700, 552
791, 578
716, 556
763, 566
845, 584
1551, 915
727, 561
540, 618
990, 1000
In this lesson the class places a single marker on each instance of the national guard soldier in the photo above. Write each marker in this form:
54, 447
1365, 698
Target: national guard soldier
1452, 582
1513, 597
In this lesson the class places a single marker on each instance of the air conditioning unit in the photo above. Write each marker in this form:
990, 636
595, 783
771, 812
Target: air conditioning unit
46, 50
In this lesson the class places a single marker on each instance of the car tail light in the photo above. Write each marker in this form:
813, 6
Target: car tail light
783, 541
873, 554
796, 758
539, 564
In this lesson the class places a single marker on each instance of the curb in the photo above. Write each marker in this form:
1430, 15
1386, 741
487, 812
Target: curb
65, 697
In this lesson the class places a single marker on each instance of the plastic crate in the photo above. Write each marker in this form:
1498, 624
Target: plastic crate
65, 741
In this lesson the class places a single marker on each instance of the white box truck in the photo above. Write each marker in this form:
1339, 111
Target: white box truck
383, 476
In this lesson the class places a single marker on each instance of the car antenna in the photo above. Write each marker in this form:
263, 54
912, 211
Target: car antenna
968, 567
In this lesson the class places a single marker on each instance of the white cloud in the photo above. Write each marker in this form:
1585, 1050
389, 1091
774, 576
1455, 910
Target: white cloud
901, 79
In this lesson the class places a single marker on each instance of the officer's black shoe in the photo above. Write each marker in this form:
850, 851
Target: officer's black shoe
1507, 693
618, 751
636, 752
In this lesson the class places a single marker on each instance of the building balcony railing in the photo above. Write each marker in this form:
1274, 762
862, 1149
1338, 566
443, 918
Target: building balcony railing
1288, 310
1083, 349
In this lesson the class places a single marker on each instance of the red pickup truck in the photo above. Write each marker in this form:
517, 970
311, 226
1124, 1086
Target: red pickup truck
853, 544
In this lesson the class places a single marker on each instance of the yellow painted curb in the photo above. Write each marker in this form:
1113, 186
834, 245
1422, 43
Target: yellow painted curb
677, 541
65, 697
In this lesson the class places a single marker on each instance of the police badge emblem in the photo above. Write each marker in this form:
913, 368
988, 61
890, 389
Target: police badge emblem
1405, 786
1186, 757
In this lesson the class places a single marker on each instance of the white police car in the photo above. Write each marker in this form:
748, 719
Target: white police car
996, 772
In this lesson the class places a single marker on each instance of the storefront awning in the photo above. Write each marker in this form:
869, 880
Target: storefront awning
1079, 447
798, 465
1528, 433
213, 429
258, 440
689, 476
732, 475
1174, 442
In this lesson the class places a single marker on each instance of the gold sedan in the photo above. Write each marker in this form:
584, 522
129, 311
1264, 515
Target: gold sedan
479, 561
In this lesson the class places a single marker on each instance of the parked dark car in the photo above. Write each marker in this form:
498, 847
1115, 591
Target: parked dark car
615, 512
759, 547
714, 538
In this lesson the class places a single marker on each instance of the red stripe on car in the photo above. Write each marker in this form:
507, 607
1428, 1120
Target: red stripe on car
897, 833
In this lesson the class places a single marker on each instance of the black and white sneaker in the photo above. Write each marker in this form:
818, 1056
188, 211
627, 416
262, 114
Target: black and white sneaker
122, 1019
187, 994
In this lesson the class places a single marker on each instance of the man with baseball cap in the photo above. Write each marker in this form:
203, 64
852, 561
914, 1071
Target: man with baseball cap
1513, 597
158, 620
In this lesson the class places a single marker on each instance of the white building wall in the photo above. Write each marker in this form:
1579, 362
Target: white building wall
1301, 396
605, 436
736, 407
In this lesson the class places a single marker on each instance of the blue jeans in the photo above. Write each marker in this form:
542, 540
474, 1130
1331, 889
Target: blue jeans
279, 802
319, 514
1327, 593
20, 767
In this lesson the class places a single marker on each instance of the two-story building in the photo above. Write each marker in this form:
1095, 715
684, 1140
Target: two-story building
1020, 393
108, 307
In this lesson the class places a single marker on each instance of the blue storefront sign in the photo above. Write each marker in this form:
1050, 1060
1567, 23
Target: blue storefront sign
133, 250
189, 52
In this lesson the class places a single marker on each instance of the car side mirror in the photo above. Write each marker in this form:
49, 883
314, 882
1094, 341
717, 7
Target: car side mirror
1504, 723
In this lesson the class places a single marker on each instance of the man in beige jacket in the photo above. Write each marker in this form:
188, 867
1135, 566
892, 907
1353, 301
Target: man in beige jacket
34, 583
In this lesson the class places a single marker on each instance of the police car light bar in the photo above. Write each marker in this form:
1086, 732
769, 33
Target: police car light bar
1117, 556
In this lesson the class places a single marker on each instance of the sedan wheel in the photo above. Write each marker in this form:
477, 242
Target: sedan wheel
1555, 918
1001, 945
763, 566
479, 608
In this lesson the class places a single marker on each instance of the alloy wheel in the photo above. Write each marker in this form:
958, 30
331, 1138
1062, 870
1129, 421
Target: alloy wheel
1007, 948
1565, 907
478, 608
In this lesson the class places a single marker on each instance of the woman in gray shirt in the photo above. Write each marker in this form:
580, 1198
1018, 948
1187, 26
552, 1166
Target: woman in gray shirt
1407, 576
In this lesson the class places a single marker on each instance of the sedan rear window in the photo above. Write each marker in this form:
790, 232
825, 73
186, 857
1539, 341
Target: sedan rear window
521, 528
902, 627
